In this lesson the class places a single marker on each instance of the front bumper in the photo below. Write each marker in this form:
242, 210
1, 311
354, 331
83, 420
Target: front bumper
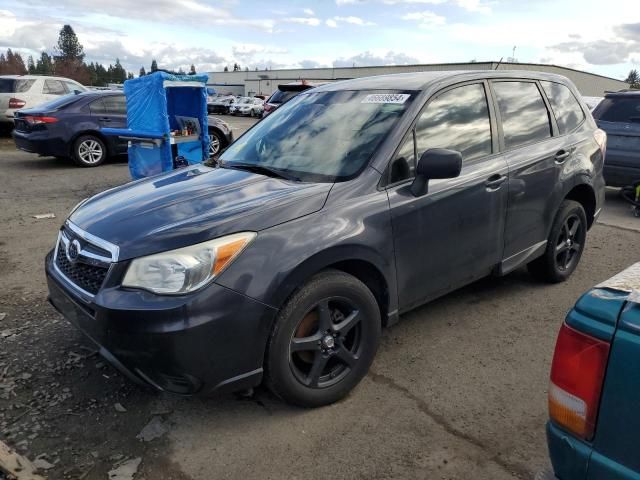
211, 340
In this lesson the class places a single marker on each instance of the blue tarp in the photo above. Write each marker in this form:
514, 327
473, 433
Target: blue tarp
153, 102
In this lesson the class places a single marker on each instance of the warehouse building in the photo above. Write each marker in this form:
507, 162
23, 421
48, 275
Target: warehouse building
266, 81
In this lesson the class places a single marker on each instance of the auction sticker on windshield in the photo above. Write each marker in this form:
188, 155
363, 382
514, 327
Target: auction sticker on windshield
386, 98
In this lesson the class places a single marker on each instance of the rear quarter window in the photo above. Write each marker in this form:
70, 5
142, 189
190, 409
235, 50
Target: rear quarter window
618, 109
12, 85
566, 108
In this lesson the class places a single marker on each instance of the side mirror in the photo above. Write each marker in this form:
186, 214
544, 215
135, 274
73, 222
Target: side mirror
435, 163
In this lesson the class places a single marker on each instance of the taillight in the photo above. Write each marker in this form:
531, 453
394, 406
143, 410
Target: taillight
38, 120
577, 374
16, 103
268, 107
601, 140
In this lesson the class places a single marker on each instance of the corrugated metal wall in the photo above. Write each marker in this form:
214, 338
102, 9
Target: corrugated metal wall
266, 81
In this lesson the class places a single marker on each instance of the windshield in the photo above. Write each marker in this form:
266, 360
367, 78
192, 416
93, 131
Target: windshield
618, 109
324, 136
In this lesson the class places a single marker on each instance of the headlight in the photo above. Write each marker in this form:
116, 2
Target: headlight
185, 269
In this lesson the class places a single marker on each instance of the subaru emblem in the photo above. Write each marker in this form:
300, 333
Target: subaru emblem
73, 251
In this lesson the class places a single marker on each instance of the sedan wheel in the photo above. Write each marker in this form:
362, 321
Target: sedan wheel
89, 151
215, 144
324, 340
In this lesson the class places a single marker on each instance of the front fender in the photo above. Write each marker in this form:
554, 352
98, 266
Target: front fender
283, 257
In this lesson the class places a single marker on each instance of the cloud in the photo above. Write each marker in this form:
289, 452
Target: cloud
601, 52
477, 6
331, 23
425, 19
310, 64
353, 21
165, 12
368, 59
308, 11
629, 31
247, 51
310, 21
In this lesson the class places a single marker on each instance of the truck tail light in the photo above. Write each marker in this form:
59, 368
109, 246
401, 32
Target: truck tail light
601, 140
577, 374
16, 103
38, 120
268, 107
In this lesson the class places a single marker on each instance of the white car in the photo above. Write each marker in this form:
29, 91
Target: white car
248, 106
23, 91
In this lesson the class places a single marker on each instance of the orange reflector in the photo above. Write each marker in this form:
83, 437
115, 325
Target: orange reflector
225, 253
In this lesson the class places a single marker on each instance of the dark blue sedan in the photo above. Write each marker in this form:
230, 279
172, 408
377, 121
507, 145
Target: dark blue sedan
71, 126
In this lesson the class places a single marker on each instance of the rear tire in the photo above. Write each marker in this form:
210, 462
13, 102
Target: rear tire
324, 340
89, 151
564, 245
216, 143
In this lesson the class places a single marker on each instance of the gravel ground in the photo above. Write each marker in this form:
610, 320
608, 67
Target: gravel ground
458, 389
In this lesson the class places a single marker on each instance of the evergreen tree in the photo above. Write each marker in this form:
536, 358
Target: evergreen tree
633, 79
129, 75
193, 70
142, 72
180, 71
236, 67
226, 69
44, 65
31, 66
154, 66
69, 47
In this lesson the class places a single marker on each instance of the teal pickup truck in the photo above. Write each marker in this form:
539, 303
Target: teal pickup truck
594, 393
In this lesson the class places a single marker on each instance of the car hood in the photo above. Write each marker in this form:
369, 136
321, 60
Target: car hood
192, 205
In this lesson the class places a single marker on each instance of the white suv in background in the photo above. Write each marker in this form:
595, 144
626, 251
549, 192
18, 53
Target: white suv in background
22, 91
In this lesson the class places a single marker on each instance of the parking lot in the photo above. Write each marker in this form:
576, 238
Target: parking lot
457, 390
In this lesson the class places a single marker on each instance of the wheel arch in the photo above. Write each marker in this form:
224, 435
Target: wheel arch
585, 196
357, 261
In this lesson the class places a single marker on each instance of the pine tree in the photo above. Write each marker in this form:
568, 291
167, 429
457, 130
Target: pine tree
31, 66
142, 72
44, 65
69, 47
180, 71
129, 75
226, 69
193, 70
154, 66
633, 79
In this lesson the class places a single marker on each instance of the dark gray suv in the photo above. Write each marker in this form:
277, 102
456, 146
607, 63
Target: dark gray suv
352, 203
619, 115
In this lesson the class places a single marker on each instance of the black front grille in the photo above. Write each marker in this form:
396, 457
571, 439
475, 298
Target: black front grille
87, 277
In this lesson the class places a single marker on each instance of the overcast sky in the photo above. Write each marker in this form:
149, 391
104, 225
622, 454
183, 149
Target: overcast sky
597, 36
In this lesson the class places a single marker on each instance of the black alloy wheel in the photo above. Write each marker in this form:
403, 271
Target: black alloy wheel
324, 340
565, 244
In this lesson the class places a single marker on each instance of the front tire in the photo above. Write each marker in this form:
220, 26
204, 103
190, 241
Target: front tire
564, 245
89, 151
324, 340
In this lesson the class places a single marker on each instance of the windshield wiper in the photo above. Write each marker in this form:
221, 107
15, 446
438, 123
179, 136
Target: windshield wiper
260, 169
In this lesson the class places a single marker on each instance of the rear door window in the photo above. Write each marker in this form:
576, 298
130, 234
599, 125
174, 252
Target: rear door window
54, 87
115, 105
458, 120
566, 108
618, 109
97, 107
525, 118
13, 85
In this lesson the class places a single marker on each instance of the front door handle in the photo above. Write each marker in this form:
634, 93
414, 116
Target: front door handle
494, 181
562, 155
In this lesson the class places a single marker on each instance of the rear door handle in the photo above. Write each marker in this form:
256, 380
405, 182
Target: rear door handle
105, 119
562, 155
494, 181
